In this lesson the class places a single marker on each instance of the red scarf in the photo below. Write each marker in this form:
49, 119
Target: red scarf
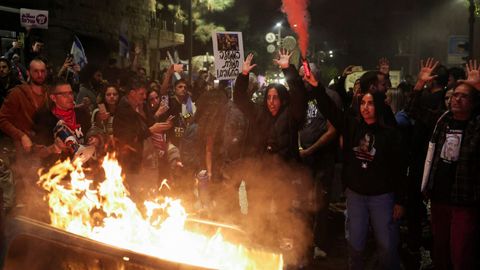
68, 117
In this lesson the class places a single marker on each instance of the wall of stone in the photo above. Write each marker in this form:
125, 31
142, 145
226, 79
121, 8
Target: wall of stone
103, 18
98, 25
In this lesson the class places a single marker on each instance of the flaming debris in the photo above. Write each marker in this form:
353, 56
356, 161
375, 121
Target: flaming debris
107, 214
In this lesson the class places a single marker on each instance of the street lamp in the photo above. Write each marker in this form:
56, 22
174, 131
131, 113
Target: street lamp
279, 41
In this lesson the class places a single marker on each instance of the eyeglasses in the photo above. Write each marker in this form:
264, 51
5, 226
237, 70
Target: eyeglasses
64, 94
460, 95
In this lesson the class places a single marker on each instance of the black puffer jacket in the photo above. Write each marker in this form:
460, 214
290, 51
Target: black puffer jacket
278, 134
130, 128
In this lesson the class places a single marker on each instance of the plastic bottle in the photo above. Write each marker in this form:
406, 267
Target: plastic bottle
242, 198
203, 189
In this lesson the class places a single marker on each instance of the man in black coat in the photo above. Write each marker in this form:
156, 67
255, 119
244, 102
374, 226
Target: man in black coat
131, 127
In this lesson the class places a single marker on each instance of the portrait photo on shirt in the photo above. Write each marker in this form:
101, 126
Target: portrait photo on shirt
365, 150
451, 147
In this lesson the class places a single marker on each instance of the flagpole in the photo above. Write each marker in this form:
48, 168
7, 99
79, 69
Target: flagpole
190, 42
471, 25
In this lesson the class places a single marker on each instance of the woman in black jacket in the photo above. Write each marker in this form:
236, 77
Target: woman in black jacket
274, 177
274, 125
373, 174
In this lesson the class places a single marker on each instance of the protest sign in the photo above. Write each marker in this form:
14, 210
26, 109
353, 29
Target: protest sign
228, 53
33, 18
457, 51
394, 75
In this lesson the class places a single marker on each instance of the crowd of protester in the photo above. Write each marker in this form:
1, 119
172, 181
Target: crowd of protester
410, 154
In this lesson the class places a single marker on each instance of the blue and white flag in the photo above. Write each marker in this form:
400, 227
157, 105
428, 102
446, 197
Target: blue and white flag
123, 46
78, 53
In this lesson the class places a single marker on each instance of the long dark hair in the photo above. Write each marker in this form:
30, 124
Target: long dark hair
282, 94
103, 96
380, 106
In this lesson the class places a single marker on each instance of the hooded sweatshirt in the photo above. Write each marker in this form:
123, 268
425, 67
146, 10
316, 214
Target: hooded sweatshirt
374, 159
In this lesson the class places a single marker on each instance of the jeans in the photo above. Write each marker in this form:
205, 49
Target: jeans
377, 210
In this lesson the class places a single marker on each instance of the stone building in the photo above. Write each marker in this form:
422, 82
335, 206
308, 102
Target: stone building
98, 24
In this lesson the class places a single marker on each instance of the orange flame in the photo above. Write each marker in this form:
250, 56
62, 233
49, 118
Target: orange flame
104, 213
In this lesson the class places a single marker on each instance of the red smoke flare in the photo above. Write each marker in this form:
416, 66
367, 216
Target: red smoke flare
298, 19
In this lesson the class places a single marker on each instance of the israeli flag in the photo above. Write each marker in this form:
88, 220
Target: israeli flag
78, 53
123, 46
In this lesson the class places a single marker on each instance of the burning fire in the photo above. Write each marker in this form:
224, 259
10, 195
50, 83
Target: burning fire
108, 215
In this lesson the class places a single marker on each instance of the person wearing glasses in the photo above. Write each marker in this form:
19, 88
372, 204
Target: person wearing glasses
451, 178
60, 127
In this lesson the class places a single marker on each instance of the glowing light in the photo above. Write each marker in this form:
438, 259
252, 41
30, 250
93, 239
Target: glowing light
105, 213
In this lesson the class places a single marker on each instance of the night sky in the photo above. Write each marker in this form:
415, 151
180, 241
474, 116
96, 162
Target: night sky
358, 31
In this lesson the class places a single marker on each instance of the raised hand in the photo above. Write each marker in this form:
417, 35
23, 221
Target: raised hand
103, 115
384, 65
426, 69
68, 63
247, 64
163, 108
347, 71
178, 68
17, 44
473, 74
283, 60
138, 49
